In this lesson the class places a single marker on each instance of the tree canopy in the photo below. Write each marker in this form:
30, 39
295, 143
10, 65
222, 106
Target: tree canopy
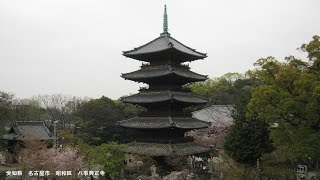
219, 90
289, 97
97, 119
248, 138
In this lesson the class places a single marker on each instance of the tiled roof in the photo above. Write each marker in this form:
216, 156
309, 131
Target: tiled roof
157, 149
161, 44
163, 122
215, 113
21, 130
161, 96
164, 70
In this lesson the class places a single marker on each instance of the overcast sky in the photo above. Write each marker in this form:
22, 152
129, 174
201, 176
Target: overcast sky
74, 47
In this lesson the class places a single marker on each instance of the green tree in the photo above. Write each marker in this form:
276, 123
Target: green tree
97, 120
218, 90
247, 139
128, 110
27, 110
111, 156
6, 110
5, 106
6, 113
289, 97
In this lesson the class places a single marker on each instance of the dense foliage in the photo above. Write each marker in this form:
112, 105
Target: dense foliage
289, 95
111, 156
248, 139
97, 119
218, 90
5, 110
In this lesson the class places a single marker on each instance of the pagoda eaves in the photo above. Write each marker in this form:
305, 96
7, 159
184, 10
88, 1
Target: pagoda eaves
148, 73
158, 149
163, 96
164, 47
163, 122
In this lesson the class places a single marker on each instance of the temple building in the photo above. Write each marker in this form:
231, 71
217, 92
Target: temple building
160, 130
20, 131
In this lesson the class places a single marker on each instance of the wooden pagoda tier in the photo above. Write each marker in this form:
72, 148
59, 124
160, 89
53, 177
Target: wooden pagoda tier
174, 73
147, 97
162, 122
164, 49
164, 110
160, 130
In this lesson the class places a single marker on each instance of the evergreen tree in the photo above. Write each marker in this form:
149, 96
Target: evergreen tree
247, 139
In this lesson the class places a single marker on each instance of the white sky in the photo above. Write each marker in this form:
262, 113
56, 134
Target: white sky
74, 47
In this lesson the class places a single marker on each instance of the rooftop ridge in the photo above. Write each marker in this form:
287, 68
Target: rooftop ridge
139, 47
204, 54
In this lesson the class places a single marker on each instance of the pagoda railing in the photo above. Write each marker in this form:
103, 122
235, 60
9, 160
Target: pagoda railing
185, 66
143, 88
178, 89
147, 65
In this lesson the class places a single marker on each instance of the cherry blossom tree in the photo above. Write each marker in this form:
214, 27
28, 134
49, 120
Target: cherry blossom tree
213, 136
36, 156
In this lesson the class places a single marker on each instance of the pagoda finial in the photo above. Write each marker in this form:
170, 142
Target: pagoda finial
165, 22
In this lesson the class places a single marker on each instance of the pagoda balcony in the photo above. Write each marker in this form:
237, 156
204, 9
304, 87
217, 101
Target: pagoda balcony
157, 66
183, 89
143, 88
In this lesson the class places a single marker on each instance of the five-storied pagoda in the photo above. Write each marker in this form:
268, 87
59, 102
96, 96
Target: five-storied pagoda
160, 130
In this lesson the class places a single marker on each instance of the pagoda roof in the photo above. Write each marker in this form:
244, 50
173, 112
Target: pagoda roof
162, 96
147, 72
162, 44
158, 149
22, 130
163, 122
